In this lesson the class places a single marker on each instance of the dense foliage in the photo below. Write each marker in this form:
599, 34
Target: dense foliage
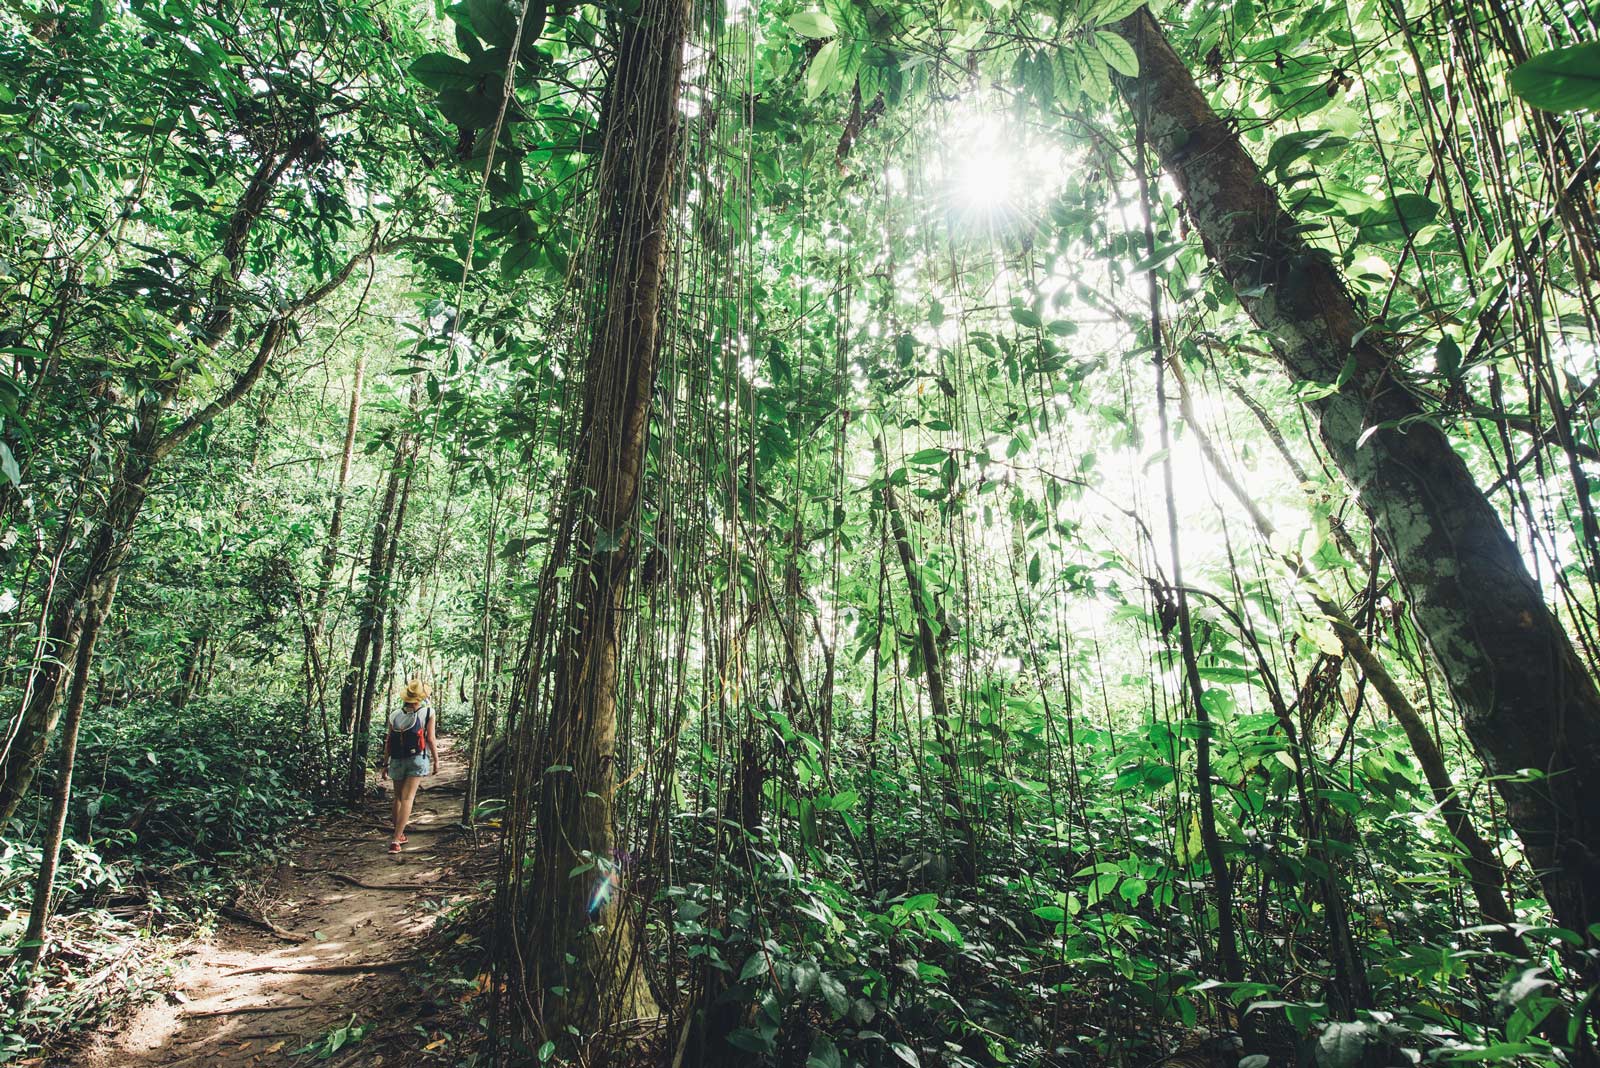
1003, 660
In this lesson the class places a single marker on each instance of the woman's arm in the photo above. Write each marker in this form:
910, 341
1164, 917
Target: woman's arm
433, 742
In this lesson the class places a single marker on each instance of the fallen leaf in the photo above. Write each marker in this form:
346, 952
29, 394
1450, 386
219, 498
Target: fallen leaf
275, 1047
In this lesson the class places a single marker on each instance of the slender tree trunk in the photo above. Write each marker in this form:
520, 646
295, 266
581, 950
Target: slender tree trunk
480, 688
932, 648
368, 616
366, 655
1210, 840
1528, 703
32, 948
330, 550
583, 932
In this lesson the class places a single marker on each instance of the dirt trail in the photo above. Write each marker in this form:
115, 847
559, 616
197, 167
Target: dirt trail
248, 996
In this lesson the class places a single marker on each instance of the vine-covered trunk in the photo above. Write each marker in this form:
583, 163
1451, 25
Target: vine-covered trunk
580, 928
1528, 703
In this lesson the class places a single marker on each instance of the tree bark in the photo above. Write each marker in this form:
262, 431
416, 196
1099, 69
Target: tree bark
480, 686
360, 688
1529, 705
583, 933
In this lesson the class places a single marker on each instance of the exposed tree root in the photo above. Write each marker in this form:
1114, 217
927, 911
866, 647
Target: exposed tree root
329, 969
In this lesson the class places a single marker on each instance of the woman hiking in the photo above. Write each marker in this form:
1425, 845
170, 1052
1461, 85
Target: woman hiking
410, 749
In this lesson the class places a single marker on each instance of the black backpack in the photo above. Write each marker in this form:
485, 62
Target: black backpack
412, 740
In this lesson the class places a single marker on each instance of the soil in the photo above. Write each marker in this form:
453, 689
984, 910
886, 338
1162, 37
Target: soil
352, 923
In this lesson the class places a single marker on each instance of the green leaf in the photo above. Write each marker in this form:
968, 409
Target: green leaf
1405, 214
1050, 913
835, 994
8, 464
1319, 146
823, 71
1343, 1045
1096, 75
1447, 357
944, 930
1118, 53
518, 258
1113, 11
813, 24
1567, 79
906, 1053
806, 976
439, 72
1027, 317
751, 1041
494, 21
754, 965
824, 1054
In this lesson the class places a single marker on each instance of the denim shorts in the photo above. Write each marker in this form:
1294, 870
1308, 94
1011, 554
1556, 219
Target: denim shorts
409, 767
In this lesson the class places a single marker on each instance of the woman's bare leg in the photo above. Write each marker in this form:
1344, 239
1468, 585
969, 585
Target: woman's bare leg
405, 792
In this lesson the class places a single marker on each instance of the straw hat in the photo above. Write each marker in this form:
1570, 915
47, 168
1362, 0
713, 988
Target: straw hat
416, 692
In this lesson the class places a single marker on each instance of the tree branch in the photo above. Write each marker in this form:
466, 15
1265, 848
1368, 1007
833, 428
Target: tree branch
272, 336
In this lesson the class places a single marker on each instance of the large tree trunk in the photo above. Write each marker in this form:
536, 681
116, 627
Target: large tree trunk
1527, 701
1482, 864
581, 931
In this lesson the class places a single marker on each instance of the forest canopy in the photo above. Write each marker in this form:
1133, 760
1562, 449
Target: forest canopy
978, 532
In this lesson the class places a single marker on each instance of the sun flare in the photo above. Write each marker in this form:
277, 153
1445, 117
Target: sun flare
993, 179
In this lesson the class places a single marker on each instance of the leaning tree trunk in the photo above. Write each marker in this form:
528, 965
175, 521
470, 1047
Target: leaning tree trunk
32, 948
1528, 703
79, 616
1482, 864
581, 933
84, 607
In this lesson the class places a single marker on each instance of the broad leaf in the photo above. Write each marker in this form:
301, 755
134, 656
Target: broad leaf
1567, 79
813, 24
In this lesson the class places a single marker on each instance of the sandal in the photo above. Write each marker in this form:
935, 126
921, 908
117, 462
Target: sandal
394, 847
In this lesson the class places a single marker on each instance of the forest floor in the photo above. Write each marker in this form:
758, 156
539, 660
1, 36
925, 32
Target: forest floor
336, 970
